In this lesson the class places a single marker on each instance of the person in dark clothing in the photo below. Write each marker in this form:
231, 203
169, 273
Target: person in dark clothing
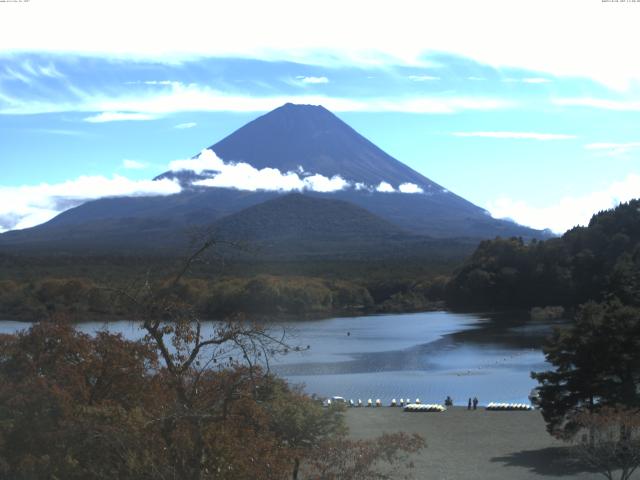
469, 404
448, 402
475, 402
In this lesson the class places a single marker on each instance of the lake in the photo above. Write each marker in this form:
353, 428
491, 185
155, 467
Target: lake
420, 355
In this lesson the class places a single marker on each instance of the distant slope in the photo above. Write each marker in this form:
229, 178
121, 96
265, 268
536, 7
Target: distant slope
315, 228
130, 225
296, 217
145, 224
286, 223
439, 216
296, 225
200, 206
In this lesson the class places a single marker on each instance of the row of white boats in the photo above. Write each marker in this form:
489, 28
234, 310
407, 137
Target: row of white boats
418, 406
508, 406
370, 402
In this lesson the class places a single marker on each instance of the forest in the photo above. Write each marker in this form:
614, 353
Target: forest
82, 288
597, 262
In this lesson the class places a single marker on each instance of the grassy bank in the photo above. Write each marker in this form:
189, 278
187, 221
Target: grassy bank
479, 444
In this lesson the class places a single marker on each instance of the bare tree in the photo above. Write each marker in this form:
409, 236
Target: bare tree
190, 352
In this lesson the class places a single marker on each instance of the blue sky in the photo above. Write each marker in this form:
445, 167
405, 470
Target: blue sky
535, 124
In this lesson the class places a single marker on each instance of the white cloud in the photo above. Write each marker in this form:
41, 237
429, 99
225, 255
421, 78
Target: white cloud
30, 205
11, 74
207, 160
320, 183
569, 211
423, 78
243, 176
527, 80
152, 82
27, 72
409, 32
191, 97
516, 135
536, 80
410, 188
37, 70
246, 177
602, 103
50, 71
183, 126
385, 187
59, 131
312, 80
133, 164
434, 105
160, 82
613, 149
118, 116
476, 79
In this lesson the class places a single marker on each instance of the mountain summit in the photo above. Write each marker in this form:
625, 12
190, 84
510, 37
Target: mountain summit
311, 137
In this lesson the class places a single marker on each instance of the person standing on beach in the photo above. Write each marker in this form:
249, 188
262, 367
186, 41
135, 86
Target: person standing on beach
475, 402
469, 404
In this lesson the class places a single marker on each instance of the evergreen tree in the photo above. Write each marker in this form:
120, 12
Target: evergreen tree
597, 364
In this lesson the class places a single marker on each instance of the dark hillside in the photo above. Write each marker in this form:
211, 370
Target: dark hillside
297, 218
596, 262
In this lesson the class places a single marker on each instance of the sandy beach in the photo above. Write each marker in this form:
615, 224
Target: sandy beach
478, 444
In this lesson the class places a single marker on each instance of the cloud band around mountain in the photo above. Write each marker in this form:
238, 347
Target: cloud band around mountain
243, 176
30, 205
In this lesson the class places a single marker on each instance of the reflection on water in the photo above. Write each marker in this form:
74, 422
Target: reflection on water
426, 355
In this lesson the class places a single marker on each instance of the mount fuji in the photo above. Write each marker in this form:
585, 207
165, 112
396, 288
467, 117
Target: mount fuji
298, 169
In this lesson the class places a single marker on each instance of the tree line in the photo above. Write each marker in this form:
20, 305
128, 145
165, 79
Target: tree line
82, 298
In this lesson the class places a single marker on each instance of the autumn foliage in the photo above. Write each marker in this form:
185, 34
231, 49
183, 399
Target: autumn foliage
74, 406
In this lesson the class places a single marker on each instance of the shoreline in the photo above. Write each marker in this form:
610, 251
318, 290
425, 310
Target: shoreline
260, 318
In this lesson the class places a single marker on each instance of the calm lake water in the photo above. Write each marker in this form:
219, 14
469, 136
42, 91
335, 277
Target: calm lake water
425, 355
